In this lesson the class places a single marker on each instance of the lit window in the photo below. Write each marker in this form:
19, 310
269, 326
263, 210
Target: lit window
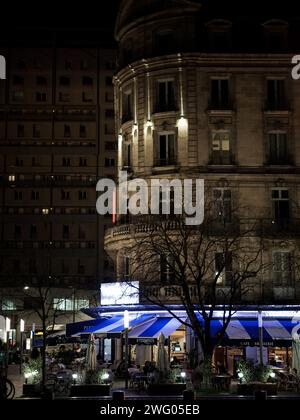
45, 211
11, 178
8, 305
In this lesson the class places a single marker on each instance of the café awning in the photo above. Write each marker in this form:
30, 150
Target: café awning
104, 325
247, 330
156, 326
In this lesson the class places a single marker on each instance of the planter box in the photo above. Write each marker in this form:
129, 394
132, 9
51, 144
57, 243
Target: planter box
90, 390
166, 389
250, 389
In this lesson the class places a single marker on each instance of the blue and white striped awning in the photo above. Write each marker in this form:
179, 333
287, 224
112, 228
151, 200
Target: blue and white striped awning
154, 327
248, 329
104, 325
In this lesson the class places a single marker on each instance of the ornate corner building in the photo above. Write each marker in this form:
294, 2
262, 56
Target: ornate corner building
202, 94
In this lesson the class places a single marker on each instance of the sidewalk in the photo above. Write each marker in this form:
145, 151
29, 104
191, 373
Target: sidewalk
17, 379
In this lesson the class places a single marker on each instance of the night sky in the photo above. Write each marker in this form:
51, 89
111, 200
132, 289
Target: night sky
36, 16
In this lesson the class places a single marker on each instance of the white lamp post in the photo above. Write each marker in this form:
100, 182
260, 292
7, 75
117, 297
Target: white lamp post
261, 337
126, 326
7, 331
22, 329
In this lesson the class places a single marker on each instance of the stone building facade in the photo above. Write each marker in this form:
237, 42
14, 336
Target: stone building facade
197, 97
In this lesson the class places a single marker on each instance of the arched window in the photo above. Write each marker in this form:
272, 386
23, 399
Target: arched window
219, 35
275, 35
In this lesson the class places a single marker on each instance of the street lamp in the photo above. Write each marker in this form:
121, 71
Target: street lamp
7, 333
261, 337
22, 329
126, 326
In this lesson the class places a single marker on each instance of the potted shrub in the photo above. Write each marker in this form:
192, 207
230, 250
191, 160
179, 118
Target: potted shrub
93, 384
169, 383
33, 376
253, 378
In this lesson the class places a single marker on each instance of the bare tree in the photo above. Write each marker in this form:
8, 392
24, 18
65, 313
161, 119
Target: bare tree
205, 268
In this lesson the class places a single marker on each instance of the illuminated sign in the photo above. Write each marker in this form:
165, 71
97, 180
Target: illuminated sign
120, 293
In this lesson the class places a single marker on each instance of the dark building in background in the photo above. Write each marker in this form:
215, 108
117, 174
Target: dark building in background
56, 140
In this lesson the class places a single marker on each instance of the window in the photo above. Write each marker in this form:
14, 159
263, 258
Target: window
167, 201
167, 268
8, 305
127, 154
41, 97
45, 212
67, 130
278, 151
35, 195
18, 80
221, 154
223, 268
82, 195
276, 94
220, 94
11, 178
109, 162
87, 81
65, 304
276, 35
82, 131
18, 195
165, 95
19, 162
36, 131
82, 161
165, 42
34, 161
281, 206
18, 232
282, 268
41, 81
66, 161
65, 231
20, 130
127, 106
65, 195
222, 205
166, 149
33, 231
126, 262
